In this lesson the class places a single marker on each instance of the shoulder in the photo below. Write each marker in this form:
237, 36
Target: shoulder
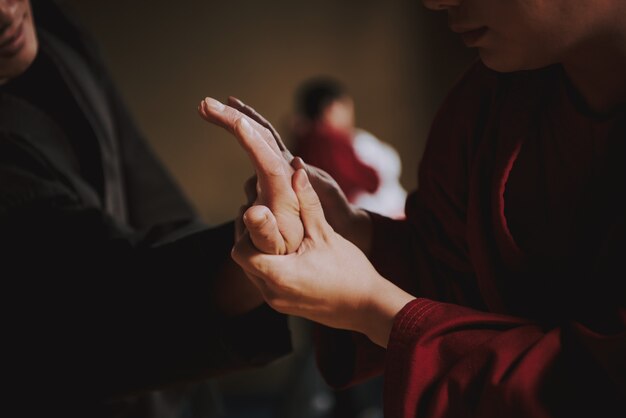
26, 176
58, 21
365, 142
374, 151
27, 171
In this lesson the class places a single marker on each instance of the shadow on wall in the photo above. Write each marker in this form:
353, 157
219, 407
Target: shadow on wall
396, 57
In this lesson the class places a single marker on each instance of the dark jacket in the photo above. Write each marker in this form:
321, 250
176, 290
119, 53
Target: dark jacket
107, 268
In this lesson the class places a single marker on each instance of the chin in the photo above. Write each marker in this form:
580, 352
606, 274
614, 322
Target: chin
508, 64
19, 63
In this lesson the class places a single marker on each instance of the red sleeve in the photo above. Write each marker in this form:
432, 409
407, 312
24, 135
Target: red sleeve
445, 360
449, 354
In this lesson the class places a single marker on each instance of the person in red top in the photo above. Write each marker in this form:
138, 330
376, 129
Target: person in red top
323, 136
503, 293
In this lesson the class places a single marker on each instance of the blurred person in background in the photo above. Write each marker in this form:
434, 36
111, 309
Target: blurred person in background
324, 134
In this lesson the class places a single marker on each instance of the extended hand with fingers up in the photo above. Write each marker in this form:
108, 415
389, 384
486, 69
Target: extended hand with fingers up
280, 230
294, 256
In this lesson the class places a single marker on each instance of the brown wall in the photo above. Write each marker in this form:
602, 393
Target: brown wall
396, 57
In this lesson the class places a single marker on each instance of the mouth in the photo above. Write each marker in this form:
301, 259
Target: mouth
12, 42
471, 37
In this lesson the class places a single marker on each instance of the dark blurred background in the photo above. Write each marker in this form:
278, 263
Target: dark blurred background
397, 59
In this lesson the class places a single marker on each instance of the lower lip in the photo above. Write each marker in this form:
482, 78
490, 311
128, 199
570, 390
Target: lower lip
472, 37
16, 44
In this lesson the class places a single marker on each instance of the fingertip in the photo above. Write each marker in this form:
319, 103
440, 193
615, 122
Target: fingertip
214, 105
201, 108
256, 216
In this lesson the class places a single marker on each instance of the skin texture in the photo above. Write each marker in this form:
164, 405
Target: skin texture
18, 40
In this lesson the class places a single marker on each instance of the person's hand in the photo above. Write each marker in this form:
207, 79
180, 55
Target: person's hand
327, 280
283, 232
351, 222
348, 220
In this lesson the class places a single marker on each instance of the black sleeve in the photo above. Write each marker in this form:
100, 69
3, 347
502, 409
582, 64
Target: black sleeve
152, 195
94, 305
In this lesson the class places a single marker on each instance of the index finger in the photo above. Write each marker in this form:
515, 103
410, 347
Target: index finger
270, 166
256, 116
227, 117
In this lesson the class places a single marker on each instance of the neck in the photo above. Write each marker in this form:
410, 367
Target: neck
598, 71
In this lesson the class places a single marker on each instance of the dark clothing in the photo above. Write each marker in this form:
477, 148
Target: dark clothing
514, 244
107, 269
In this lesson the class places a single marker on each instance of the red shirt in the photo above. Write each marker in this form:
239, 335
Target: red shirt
332, 151
513, 245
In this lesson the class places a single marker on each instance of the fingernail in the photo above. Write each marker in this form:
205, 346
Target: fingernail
214, 104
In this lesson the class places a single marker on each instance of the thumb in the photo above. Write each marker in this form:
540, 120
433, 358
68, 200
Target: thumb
263, 230
311, 212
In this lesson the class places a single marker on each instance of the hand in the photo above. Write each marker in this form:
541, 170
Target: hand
327, 280
347, 220
282, 233
351, 222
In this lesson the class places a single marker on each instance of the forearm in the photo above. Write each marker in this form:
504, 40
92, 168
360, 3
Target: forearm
120, 318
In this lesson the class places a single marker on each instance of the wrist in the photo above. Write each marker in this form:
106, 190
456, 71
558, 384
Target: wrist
386, 300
